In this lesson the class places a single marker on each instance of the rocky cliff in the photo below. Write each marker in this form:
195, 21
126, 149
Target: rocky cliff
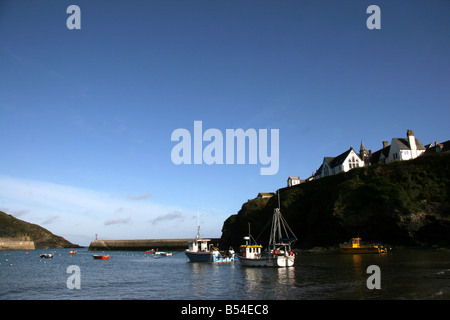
12, 228
400, 203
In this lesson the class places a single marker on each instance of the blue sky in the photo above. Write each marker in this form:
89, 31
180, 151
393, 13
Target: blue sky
86, 116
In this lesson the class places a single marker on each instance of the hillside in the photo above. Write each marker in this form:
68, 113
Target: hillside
14, 228
400, 203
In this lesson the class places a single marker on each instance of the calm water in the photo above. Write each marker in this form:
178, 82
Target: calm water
405, 274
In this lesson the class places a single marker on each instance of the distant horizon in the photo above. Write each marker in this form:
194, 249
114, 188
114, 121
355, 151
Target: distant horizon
91, 93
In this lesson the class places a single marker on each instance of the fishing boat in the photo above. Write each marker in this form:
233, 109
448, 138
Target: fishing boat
198, 250
101, 257
279, 252
46, 255
221, 256
355, 246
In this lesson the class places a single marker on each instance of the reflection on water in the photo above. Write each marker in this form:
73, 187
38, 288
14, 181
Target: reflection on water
405, 274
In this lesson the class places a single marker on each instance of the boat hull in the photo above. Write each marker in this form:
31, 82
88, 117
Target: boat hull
219, 258
100, 257
360, 250
276, 261
198, 256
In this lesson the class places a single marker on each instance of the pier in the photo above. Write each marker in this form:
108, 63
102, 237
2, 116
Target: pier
144, 244
13, 244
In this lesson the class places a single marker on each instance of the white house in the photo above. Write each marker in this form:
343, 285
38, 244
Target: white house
342, 163
405, 149
292, 181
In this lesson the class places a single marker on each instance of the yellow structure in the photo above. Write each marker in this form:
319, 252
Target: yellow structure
355, 247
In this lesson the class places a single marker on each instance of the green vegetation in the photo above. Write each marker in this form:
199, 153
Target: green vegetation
14, 228
405, 203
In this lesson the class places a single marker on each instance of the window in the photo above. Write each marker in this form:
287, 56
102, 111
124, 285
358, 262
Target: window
352, 163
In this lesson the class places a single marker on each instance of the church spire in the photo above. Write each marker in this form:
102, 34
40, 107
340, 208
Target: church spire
363, 153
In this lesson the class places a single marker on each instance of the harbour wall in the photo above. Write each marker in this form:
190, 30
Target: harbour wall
12, 244
142, 245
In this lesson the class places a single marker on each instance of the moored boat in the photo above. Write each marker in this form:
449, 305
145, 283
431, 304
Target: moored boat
355, 246
198, 250
46, 255
163, 253
72, 252
101, 257
218, 256
279, 252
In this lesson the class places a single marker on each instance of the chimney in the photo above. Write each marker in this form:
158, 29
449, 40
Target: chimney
412, 143
385, 144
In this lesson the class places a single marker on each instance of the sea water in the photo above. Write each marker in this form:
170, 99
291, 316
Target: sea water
403, 274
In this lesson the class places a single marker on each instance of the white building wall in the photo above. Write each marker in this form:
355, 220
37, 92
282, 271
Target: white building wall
352, 161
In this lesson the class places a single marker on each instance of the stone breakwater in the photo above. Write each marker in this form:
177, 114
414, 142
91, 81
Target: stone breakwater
141, 245
13, 244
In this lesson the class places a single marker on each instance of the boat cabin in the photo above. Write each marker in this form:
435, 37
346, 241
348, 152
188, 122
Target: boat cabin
250, 251
356, 242
198, 245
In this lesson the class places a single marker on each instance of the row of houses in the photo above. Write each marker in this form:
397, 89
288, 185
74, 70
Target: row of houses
400, 149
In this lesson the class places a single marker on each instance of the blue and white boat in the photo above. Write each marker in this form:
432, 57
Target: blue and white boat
218, 256
198, 250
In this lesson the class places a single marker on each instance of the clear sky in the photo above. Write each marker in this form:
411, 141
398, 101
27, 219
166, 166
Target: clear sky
86, 115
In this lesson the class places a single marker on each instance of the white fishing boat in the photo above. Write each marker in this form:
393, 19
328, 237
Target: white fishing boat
279, 252
198, 250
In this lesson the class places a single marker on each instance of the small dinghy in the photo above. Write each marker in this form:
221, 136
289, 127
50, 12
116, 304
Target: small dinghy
101, 257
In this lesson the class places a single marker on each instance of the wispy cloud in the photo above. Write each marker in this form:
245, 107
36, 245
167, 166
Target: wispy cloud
69, 210
117, 221
89, 212
140, 197
51, 219
15, 213
176, 215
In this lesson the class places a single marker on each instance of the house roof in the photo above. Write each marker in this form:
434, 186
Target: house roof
444, 147
376, 155
403, 144
266, 194
333, 162
319, 171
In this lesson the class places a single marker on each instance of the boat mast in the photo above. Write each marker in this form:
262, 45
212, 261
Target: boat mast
280, 225
275, 229
198, 225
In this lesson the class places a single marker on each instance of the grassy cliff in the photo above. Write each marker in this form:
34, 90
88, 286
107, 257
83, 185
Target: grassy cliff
14, 228
403, 203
